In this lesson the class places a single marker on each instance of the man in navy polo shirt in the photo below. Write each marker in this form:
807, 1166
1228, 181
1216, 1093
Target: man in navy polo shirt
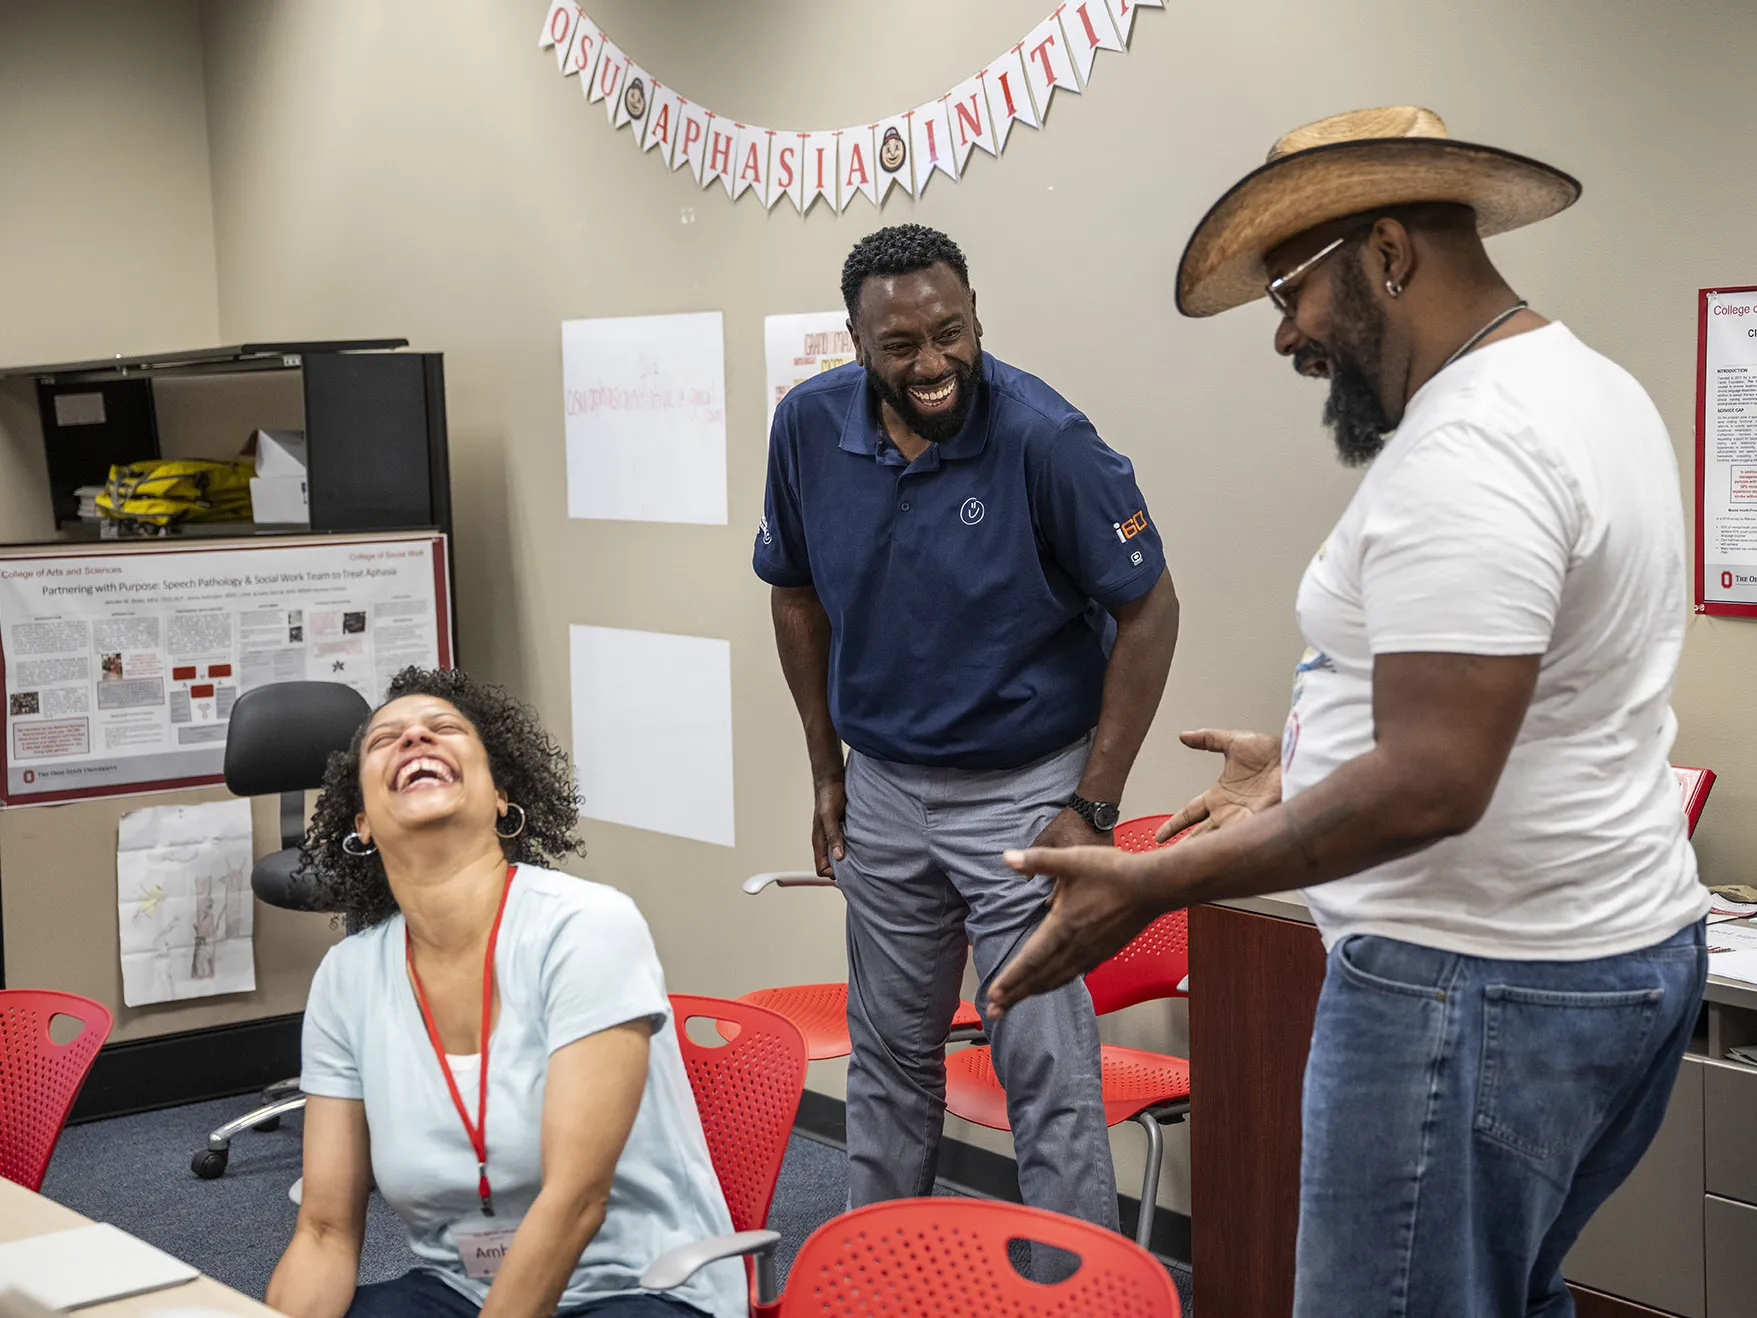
967, 590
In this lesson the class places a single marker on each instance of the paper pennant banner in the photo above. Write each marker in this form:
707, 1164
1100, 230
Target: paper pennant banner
930, 142
750, 163
663, 122
968, 121
1047, 63
857, 168
891, 150
1009, 95
606, 84
636, 100
692, 139
1088, 30
939, 136
582, 52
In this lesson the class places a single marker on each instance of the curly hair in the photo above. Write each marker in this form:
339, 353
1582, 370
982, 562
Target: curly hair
901, 249
524, 760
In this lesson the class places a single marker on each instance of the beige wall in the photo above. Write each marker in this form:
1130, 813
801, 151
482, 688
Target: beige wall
377, 173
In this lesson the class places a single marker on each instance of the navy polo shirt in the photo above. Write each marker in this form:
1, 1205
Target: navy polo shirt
966, 590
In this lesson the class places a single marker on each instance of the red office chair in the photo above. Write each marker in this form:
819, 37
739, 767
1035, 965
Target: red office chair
39, 1078
947, 1258
1151, 1089
1695, 785
821, 1010
747, 1091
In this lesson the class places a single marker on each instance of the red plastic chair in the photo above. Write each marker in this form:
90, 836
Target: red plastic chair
821, 1010
1695, 785
39, 1078
747, 1092
1148, 1088
947, 1258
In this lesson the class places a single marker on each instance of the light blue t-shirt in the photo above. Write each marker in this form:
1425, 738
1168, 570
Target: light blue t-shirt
574, 958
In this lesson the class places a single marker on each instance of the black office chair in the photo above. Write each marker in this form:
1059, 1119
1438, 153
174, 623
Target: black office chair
279, 740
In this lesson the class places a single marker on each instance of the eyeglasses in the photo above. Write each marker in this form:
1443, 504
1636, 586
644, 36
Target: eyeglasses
1277, 287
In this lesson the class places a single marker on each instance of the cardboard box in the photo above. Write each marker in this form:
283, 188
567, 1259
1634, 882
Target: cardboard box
279, 500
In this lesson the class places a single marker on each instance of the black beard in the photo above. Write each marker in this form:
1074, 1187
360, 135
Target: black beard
1353, 411
934, 427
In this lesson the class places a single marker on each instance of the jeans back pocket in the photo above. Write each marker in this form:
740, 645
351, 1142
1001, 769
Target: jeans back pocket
1554, 1064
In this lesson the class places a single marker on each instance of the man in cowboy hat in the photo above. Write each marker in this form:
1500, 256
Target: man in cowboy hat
1472, 785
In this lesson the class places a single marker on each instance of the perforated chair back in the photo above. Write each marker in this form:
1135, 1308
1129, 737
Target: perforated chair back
1156, 962
947, 1258
747, 1091
280, 736
39, 1078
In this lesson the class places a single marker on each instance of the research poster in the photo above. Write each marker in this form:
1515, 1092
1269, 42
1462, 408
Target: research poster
1726, 453
120, 665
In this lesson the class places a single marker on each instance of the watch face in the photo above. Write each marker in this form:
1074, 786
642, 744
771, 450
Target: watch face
1104, 817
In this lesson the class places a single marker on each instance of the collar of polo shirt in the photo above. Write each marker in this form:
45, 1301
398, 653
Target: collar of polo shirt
862, 430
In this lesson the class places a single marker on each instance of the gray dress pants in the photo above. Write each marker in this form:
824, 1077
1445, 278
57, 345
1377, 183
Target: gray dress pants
922, 873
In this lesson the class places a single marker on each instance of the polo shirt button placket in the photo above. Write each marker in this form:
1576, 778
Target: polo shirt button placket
904, 505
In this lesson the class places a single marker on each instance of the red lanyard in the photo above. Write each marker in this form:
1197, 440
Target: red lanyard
478, 1133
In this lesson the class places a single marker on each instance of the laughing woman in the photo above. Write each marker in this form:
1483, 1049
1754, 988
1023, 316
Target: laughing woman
491, 1045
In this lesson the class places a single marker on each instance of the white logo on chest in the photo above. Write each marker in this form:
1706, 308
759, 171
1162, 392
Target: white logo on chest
971, 512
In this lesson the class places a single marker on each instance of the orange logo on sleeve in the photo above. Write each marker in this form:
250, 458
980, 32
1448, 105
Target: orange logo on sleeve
1127, 531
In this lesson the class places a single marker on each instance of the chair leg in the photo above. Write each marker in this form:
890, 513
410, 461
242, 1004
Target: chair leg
1149, 1182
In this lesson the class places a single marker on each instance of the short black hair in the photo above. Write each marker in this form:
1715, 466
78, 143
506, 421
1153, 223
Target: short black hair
525, 763
901, 249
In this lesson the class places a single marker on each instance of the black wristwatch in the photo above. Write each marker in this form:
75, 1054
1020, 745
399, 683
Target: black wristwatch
1102, 815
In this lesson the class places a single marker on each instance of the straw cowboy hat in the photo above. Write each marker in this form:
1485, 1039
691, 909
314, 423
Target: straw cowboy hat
1349, 164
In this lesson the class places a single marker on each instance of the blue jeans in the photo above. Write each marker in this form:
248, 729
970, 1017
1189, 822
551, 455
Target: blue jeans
1464, 1118
421, 1294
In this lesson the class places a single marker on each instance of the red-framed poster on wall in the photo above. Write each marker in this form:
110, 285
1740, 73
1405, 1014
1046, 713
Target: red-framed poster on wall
1726, 452
120, 663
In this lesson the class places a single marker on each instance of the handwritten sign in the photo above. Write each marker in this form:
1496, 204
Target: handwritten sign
644, 398
799, 347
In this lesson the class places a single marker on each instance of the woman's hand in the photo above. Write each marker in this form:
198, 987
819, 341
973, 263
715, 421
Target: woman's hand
1250, 781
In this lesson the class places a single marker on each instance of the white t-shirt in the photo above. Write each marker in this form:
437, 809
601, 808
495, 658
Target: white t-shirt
574, 958
1528, 504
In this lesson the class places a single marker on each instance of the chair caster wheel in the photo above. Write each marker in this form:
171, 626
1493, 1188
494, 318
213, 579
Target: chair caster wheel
273, 1123
209, 1164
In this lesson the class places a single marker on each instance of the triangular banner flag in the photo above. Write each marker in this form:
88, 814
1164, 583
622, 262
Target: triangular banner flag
1122, 14
968, 120
891, 150
817, 168
692, 139
721, 159
557, 23
1009, 95
1047, 63
1087, 25
786, 179
931, 144
636, 99
564, 42
858, 169
663, 123
606, 85
750, 163
583, 49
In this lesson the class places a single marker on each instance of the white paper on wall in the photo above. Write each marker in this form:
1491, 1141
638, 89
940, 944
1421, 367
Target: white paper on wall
891, 150
1088, 30
857, 168
652, 730
968, 122
582, 51
931, 144
645, 408
798, 347
183, 902
1047, 64
1009, 95
750, 163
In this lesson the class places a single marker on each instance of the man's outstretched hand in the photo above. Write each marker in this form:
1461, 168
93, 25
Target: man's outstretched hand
1250, 781
1099, 904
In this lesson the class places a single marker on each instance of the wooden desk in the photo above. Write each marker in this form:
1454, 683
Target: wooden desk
25, 1213
1256, 967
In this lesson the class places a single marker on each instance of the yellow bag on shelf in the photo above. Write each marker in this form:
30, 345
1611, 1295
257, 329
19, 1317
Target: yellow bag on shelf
166, 492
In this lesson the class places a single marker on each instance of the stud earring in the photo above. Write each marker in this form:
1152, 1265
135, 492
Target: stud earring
1394, 288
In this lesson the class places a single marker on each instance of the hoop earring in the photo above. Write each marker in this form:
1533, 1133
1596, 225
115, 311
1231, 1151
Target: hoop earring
1394, 288
371, 848
507, 837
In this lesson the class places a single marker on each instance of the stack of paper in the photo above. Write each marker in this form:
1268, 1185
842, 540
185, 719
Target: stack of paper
88, 502
1732, 951
87, 1265
278, 491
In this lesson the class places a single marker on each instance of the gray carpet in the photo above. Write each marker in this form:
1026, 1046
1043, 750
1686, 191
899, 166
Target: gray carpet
134, 1172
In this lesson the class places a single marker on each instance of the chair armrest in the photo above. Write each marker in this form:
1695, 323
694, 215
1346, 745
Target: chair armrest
676, 1266
786, 879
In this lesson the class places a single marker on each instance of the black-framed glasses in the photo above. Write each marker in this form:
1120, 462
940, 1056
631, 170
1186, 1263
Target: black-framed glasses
1277, 287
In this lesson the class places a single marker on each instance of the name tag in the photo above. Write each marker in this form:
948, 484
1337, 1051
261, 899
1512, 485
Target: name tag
482, 1244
